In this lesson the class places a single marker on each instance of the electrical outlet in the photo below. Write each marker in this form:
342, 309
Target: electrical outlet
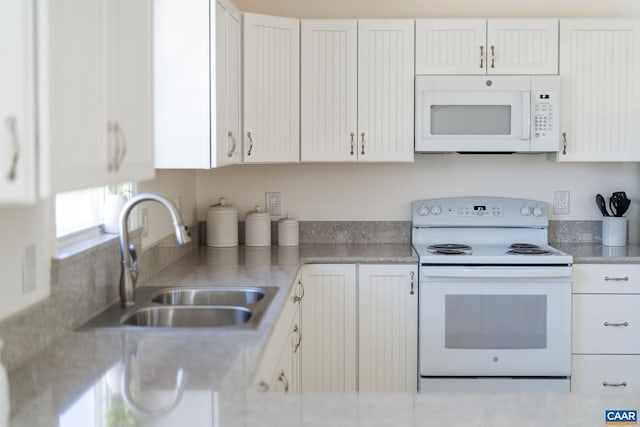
144, 221
272, 203
561, 202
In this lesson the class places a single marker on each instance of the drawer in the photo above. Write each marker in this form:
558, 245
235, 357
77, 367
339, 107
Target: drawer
605, 374
606, 279
598, 324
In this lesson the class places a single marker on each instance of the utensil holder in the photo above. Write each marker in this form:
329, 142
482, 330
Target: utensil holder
614, 231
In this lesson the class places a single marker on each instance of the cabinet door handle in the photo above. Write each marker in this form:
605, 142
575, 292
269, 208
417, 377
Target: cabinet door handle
112, 145
362, 140
263, 387
564, 143
353, 135
296, 297
622, 384
616, 324
250, 143
493, 57
412, 274
296, 330
285, 382
616, 279
12, 124
481, 56
233, 143
121, 144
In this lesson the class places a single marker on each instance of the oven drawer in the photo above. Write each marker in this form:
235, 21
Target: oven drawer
606, 324
610, 374
606, 279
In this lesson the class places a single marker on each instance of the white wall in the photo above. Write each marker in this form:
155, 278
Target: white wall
316, 192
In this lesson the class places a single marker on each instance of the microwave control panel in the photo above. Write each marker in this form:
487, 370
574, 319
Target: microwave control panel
544, 115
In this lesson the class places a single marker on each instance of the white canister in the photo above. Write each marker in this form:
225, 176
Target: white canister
257, 228
222, 225
614, 231
288, 231
4, 393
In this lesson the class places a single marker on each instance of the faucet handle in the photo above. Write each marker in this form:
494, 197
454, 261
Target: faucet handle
134, 263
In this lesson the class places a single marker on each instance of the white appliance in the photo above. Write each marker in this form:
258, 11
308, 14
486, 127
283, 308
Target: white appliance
481, 114
495, 298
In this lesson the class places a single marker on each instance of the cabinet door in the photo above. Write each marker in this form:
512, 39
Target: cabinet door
600, 90
233, 138
71, 100
329, 90
385, 90
388, 328
451, 46
271, 101
522, 46
129, 89
17, 102
328, 320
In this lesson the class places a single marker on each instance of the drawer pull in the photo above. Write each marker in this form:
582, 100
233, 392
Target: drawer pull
616, 324
616, 279
622, 384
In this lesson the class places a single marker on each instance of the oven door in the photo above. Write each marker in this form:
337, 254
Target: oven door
495, 321
473, 114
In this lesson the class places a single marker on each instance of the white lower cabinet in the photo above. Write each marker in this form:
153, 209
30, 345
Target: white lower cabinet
360, 329
605, 329
388, 328
279, 367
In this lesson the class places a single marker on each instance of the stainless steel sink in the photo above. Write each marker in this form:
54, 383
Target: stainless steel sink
188, 316
176, 308
210, 296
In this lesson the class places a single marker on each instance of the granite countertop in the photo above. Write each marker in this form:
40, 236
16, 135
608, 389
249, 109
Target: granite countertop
596, 253
115, 378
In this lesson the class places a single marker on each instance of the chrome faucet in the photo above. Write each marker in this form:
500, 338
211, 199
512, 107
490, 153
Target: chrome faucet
129, 270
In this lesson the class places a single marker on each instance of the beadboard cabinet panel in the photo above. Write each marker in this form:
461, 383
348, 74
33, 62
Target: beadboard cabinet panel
271, 89
385, 90
600, 90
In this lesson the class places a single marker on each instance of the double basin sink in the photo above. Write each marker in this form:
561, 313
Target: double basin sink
189, 307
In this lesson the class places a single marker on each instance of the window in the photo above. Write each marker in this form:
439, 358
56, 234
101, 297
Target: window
82, 211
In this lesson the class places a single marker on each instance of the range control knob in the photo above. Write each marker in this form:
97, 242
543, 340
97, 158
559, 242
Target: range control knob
436, 210
538, 211
525, 210
423, 211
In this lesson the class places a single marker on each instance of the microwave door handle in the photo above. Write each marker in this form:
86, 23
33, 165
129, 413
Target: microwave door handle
526, 115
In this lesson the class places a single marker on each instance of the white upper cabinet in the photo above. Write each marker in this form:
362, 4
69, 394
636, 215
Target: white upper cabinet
17, 102
600, 90
271, 101
94, 100
495, 46
196, 83
357, 90
329, 90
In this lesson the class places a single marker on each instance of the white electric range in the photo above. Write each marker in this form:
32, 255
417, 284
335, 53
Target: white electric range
495, 297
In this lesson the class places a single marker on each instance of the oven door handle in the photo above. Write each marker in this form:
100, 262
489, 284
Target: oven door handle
496, 272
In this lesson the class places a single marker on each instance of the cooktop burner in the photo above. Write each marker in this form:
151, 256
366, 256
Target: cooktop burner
529, 251
449, 249
523, 246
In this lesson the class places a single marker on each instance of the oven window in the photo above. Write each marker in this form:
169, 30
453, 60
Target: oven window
496, 321
471, 120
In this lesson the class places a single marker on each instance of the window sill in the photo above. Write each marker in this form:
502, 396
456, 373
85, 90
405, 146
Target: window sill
71, 249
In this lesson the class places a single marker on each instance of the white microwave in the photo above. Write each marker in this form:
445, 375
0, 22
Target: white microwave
482, 114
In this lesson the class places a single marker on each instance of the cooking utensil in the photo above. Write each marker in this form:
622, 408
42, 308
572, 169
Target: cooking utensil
619, 203
601, 205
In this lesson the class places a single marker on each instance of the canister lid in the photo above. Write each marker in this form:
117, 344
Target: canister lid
222, 207
287, 220
258, 213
